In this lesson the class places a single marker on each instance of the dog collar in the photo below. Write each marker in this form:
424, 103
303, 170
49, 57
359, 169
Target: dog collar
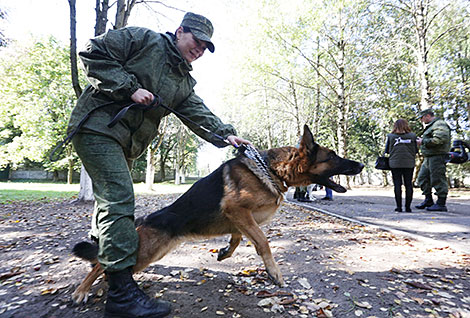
262, 167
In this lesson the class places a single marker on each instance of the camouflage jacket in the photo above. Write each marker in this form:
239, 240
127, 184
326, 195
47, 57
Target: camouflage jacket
436, 138
119, 62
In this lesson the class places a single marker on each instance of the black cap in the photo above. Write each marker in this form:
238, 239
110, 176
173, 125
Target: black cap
201, 27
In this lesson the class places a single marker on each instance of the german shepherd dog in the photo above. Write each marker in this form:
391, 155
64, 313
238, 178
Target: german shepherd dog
234, 199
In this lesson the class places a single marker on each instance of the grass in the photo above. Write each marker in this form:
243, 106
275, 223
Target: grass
35, 191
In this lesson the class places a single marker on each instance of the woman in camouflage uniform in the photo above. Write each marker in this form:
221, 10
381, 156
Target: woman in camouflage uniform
123, 66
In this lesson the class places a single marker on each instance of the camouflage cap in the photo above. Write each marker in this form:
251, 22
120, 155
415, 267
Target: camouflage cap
201, 27
425, 112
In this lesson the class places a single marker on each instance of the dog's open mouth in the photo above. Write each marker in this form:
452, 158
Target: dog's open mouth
334, 186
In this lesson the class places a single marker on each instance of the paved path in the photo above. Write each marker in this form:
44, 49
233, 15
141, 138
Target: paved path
375, 206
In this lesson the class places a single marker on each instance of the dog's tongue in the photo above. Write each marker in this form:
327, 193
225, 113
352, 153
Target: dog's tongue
336, 187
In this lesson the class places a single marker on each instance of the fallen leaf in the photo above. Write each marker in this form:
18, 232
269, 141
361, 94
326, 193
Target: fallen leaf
10, 274
363, 304
304, 282
418, 300
418, 285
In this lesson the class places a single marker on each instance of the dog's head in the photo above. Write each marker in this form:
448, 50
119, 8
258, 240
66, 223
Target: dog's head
320, 163
316, 164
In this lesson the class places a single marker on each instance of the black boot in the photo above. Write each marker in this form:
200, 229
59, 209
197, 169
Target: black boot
439, 206
408, 199
428, 201
127, 300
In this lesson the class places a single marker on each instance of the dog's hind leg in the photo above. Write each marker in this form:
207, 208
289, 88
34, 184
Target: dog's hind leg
227, 251
244, 221
81, 293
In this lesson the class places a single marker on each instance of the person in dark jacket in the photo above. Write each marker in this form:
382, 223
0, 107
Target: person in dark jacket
134, 64
435, 146
402, 147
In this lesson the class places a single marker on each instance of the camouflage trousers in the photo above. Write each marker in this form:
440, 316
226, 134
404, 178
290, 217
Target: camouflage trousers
433, 175
113, 216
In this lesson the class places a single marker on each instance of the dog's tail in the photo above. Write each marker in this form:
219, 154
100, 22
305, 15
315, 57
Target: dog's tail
87, 251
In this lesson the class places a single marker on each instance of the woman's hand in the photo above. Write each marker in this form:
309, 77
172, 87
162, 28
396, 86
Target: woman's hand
142, 96
237, 141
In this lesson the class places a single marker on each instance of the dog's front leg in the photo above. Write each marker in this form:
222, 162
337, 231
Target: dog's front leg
243, 219
227, 251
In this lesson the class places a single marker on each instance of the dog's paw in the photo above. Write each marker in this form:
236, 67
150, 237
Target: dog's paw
276, 277
223, 253
79, 296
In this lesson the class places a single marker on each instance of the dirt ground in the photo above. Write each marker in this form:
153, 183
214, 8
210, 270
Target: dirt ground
333, 268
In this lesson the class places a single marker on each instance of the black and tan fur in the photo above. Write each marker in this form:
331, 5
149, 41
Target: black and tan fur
231, 200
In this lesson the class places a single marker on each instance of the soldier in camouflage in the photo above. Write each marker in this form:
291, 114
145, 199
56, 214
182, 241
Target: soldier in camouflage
123, 66
435, 145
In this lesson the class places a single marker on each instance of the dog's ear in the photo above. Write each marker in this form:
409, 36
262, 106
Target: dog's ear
308, 144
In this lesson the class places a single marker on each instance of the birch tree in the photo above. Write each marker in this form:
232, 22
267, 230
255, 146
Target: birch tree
424, 18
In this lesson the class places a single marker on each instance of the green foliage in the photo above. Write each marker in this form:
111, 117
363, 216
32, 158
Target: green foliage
349, 69
37, 98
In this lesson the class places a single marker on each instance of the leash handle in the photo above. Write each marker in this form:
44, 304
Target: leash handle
157, 100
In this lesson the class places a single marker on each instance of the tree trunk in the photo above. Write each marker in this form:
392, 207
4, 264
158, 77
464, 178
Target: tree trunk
86, 189
180, 160
316, 124
342, 107
70, 166
177, 179
123, 11
421, 12
73, 49
267, 112
152, 149
179, 156
162, 168
150, 170
296, 108
385, 178
101, 9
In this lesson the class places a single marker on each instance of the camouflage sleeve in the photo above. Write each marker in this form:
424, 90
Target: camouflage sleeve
195, 109
440, 135
104, 58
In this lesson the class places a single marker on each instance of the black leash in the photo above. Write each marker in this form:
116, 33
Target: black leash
157, 102
69, 137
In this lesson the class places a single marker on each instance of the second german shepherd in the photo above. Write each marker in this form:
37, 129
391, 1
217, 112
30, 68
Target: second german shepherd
234, 199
